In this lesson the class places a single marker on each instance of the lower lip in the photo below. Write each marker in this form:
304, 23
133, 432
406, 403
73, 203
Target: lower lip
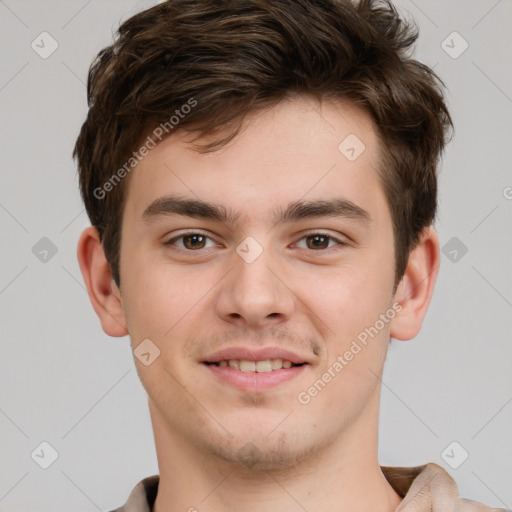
254, 381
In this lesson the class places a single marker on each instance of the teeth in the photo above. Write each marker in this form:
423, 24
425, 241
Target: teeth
266, 365
247, 366
276, 364
263, 366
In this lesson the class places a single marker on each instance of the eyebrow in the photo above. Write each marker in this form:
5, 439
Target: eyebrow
295, 211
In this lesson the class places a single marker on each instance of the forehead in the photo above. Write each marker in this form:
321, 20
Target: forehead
299, 149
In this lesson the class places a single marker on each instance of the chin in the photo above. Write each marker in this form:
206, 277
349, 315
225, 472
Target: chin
262, 452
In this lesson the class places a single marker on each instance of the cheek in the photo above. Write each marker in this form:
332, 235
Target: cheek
348, 298
350, 303
161, 296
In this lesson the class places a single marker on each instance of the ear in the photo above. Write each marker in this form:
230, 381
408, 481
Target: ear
104, 295
416, 286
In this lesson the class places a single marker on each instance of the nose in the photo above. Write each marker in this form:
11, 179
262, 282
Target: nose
255, 294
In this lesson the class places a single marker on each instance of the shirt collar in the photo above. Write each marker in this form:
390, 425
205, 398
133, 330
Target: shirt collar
427, 488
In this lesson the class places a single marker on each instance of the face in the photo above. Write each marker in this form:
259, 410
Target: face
292, 258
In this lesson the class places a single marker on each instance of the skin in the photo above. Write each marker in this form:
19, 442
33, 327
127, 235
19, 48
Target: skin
191, 302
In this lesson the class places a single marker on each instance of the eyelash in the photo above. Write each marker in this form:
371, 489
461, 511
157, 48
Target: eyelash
314, 233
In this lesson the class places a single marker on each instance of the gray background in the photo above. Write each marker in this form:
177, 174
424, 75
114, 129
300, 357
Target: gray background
65, 382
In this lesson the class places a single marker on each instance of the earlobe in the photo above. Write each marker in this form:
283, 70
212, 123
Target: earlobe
103, 292
415, 290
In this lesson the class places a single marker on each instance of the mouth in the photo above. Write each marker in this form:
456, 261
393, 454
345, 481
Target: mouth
254, 376
263, 366
252, 369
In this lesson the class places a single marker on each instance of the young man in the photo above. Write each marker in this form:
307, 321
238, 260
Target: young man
261, 182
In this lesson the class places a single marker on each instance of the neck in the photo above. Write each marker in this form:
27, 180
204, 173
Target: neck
336, 477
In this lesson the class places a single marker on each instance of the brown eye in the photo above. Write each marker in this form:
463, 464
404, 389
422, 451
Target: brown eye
194, 241
317, 241
191, 241
320, 241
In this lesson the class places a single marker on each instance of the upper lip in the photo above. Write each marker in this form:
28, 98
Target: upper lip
252, 354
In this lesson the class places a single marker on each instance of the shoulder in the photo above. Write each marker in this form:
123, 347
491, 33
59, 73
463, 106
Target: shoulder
445, 488
465, 505
430, 487
142, 497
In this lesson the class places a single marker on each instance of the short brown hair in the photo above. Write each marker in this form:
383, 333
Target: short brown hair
230, 58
